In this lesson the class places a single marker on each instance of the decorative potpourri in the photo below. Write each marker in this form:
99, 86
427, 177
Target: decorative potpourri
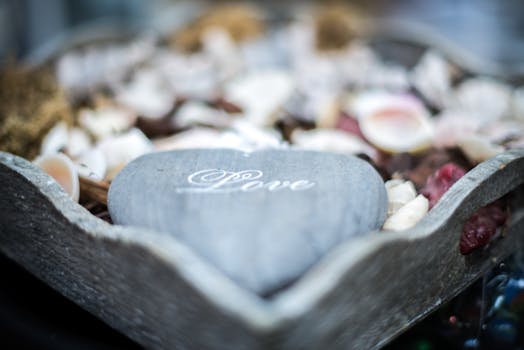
237, 84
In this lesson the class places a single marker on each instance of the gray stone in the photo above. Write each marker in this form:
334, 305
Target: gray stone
262, 218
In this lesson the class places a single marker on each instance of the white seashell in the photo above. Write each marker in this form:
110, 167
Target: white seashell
393, 122
260, 94
408, 215
62, 169
432, 77
147, 94
331, 140
219, 45
106, 121
451, 126
326, 110
192, 76
502, 131
78, 142
485, 99
387, 76
195, 113
399, 193
359, 63
478, 148
393, 183
256, 137
83, 70
119, 150
56, 140
198, 137
92, 164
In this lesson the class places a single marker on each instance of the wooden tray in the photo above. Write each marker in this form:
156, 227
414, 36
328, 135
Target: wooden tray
152, 288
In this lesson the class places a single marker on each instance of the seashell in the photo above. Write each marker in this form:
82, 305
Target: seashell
118, 150
192, 76
478, 148
147, 95
78, 142
198, 137
55, 140
451, 126
106, 121
399, 192
198, 113
408, 215
393, 122
359, 63
502, 131
63, 170
331, 140
260, 94
92, 164
81, 71
326, 111
256, 137
432, 77
219, 44
484, 99
387, 76
323, 109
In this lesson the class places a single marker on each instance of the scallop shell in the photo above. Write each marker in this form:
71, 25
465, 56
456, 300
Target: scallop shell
393, 122
63, 170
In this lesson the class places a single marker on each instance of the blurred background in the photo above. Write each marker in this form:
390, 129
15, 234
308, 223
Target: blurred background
486, 32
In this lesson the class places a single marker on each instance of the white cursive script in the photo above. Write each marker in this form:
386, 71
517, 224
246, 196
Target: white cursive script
223, 181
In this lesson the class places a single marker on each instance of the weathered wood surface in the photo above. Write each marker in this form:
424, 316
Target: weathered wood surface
152, 288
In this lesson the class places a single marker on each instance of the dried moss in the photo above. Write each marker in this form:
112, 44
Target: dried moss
333, 30
241, 21
31, 103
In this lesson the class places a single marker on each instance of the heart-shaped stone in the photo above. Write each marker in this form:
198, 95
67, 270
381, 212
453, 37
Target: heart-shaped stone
263, 218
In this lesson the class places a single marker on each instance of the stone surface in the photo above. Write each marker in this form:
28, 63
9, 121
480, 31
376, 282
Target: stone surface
263, 218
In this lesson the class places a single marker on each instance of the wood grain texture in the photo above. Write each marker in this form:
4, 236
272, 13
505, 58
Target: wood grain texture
158, 292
